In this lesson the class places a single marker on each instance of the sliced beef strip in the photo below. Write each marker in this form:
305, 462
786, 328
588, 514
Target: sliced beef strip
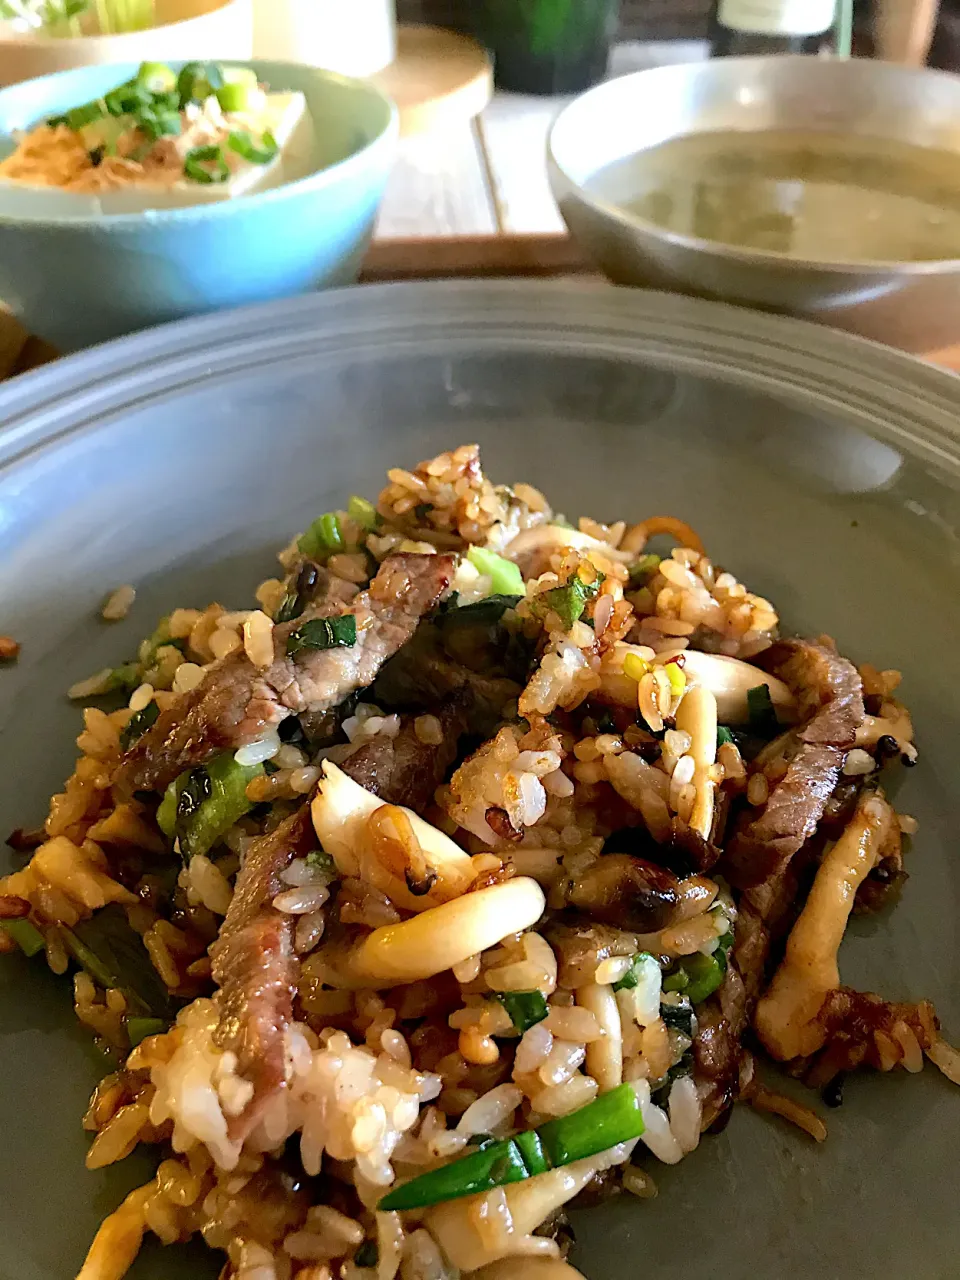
830, 698
235, 701
255, 966
403, 770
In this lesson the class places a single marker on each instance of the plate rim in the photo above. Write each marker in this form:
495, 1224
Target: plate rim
892, 394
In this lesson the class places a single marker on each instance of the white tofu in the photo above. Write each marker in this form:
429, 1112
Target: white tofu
285, 115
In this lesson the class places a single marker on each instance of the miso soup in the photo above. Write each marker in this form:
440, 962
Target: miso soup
834, 197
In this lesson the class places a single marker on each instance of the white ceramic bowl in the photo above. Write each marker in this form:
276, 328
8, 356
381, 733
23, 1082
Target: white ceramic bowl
188, 29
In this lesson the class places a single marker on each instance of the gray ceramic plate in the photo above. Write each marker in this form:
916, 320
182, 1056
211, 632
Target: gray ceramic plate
824, 471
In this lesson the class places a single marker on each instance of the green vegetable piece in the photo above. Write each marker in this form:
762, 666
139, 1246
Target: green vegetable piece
243, 144
364, 513
422, 510
159, 122
526, 1008
367, 1255
26, 935
724, 735
322, 538
615, 1117
86, 114
114, 956
763, 717
157, 77
642, 571
234, 97
679, 1017
319, 860
206, 165
676, 981
640, 966
505, 578
139, 1028
723, 948
568, 601
197, 81
201, 805
324, 633
150, 647
126, 676
704, 975
138, 724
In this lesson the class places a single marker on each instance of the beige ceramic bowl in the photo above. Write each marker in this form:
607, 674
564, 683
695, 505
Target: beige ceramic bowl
188, 29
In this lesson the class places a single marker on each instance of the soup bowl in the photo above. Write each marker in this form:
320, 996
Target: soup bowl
914, 305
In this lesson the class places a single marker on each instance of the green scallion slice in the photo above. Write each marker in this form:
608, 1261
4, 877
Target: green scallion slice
505, 578
139, 1028
567, 602
243, 144
157, 77
26, 935
197, 81
86, 114
763, 717
724, 735
324, 633
526, 1008
322, 538
363, 513
206, 165
138, 724
641, 964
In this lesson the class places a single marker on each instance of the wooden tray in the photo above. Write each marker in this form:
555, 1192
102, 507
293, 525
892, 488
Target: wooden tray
467, 257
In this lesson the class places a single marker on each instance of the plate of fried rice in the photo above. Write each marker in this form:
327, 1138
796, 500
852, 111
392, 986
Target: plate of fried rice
460, 796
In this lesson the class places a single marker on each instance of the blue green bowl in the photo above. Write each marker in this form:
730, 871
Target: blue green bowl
80, 280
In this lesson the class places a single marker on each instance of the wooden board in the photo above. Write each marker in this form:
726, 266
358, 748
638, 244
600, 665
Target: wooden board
438, 78
416, 258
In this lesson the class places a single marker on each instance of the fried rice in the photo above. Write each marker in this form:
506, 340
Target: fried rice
476, 819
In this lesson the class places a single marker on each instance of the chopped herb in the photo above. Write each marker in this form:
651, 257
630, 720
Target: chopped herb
642, 571
567, 602
158, 122
364, 513
324, 633
505, 577
197, 81
367, 1255
724, 735
243, 144
322, 538
526, 1008
126, 676
296, 600
696, 976
320, 860
206, 165
138, 724
139, 1028
641, 965
763, 717
114, 956
486, 612
679, 1017
26, 935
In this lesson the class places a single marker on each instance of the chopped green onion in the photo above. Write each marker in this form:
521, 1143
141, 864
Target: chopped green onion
324, 633
678, 1017
234, 97
613, 1118
569, 601
367, 1255
158, 122
27, 936
363, 513
157, 77
723, 948
724, 735
201, 805
763, 717
54, 121
677, 678
206, 164
139, 1028
126, 676
197, 81
505, 578
243, 144
86, 114
642, 964
114, 955
697, 976
642, 571
138, 724
636, 667
322, 538
526, 1008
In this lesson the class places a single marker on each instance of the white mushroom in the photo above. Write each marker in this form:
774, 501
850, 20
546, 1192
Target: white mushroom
697, 715
729, 680
786, 1017
604, 1056
342, 811
435, 940
531, 546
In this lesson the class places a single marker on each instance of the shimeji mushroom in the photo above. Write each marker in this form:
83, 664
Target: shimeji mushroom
531, 545
390, 847
435, 940
786, 1017
697, 716
728, 679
